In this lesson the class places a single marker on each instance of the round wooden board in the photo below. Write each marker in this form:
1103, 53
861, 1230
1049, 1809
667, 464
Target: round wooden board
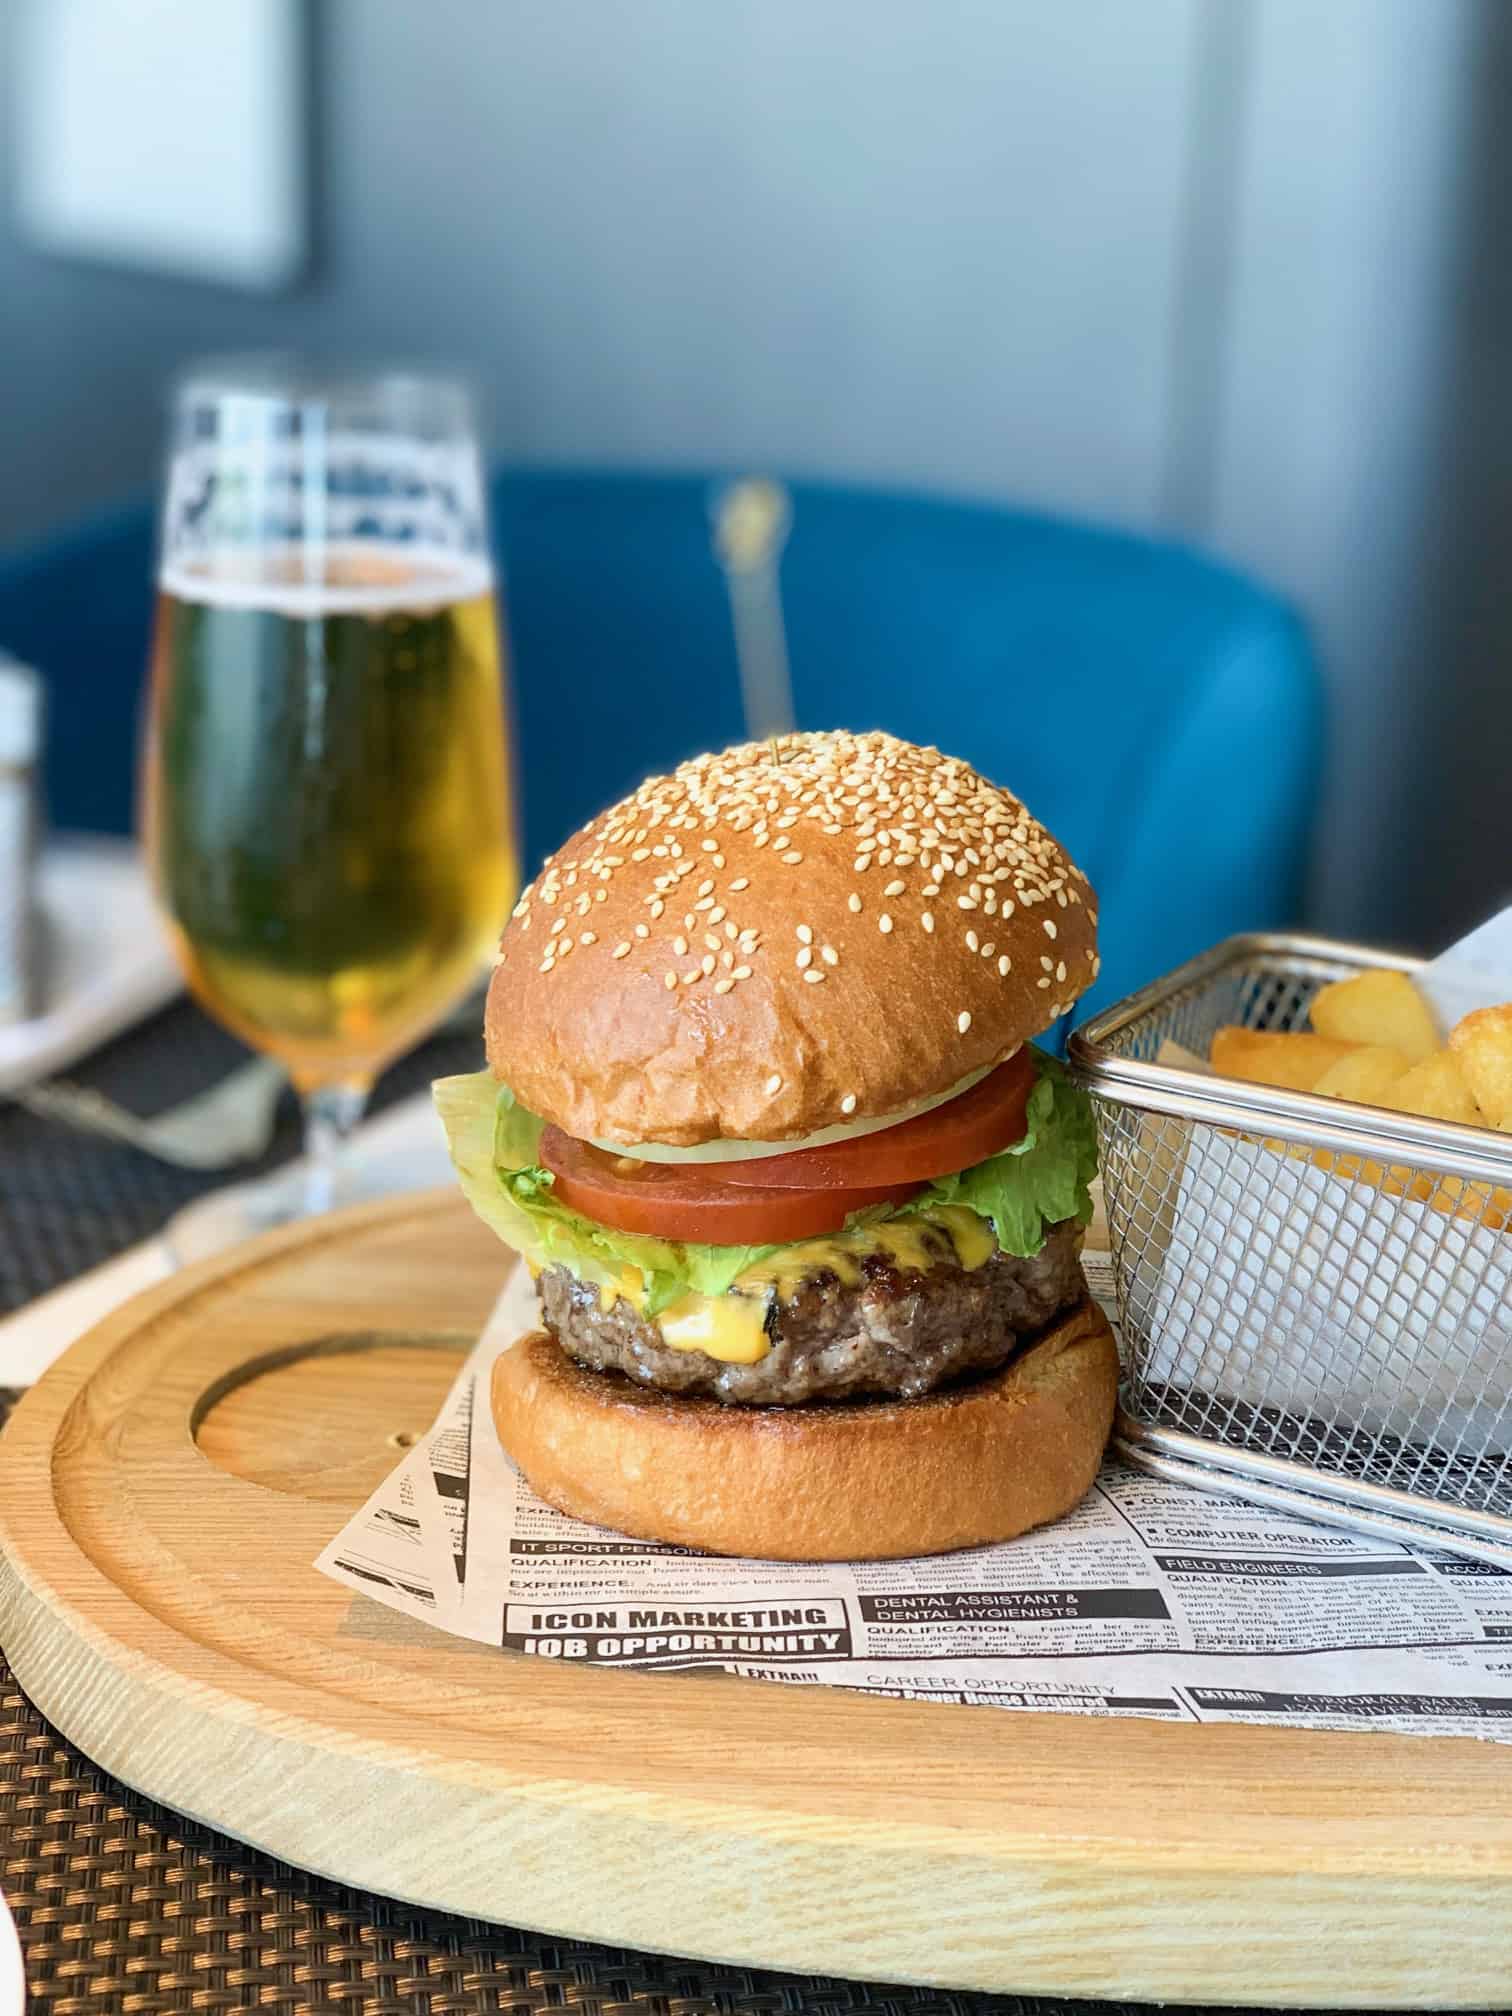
165, 1488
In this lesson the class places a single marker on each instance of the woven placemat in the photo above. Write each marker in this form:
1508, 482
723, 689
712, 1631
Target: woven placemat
69, 1201
125, 1909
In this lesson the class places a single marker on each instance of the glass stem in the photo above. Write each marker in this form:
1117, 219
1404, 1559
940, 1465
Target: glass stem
330, 1114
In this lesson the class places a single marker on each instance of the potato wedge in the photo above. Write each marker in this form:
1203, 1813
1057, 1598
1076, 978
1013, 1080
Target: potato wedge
1436, 1089
1367, 1074
1381, 1008
1482, 1041
1293, 1060
1490, 1203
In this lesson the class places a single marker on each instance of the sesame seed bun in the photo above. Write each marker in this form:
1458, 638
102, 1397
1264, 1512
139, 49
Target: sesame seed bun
778, 939
876, 1481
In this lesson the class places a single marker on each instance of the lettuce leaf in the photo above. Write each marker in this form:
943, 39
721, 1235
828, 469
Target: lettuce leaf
495, 1144
1039, 1180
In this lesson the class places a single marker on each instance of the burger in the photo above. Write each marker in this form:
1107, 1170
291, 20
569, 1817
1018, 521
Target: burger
803, 1203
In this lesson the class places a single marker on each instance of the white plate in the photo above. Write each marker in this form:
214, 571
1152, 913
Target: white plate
12, 1972
108, 959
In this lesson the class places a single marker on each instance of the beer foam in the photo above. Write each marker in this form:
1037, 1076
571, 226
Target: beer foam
357, 578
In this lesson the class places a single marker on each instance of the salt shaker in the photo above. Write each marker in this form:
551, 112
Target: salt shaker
20, 751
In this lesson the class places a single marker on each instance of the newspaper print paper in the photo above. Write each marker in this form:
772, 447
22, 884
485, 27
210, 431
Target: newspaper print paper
1149, 1599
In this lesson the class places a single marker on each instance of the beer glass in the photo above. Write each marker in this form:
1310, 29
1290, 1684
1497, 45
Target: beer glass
326, 803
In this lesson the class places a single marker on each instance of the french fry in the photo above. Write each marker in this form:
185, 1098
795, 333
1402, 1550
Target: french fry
1381, 1008
1490, 1203
1367, 1075
1293, 1060
1436, 1089
1482, 1042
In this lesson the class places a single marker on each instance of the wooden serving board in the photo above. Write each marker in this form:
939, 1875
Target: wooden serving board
165, 1488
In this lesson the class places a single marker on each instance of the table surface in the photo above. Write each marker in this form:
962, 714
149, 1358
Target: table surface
124, 1907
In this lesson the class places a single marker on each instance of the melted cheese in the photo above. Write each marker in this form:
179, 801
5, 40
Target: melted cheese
951, 1233
732, 1327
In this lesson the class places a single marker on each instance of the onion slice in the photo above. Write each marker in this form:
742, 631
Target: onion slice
753, 1151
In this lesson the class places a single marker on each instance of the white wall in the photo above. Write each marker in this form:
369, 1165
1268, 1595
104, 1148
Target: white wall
933, 243
1190, 265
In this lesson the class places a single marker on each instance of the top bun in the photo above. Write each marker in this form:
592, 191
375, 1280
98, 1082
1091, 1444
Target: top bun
785, 937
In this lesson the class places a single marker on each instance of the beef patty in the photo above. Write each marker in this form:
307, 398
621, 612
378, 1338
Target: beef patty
898, 1331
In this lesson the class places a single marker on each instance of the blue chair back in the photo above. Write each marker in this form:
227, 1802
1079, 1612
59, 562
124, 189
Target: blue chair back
1160, 713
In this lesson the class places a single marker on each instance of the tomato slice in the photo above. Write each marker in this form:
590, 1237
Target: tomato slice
697, 1201
983, 1121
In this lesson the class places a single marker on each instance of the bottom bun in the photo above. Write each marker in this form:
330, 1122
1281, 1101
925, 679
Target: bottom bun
822, 1483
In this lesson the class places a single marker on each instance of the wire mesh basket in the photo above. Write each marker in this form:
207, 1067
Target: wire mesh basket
1315, 1296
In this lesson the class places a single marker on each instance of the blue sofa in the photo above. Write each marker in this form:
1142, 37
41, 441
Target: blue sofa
1160, 713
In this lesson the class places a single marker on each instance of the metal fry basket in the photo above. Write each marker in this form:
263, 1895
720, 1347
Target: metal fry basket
1315, 1296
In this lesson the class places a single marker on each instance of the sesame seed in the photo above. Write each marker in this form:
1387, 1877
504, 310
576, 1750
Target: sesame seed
1060, 969
963, 1020
988, 949
587, 938
704, 903
813, 973
1043, 980
829, 955
793, 858
680, 946
848, 1103
894, 804
1048, 964
1005, 965
669, 981
723, 986
716, 915
643, 930
689, 920
706, 964
730, 930
560, 925
741, 882
971, 941
711, 941
895, 888
805, 958
690, 976
1049, 927
884, 923
805, 934
774, 1083
621, 949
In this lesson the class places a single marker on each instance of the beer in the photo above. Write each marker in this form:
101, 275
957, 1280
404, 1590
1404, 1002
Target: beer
327, 800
